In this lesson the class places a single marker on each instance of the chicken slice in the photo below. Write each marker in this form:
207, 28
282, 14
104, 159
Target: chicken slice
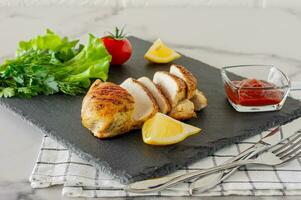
172, 87
183, 110
187, 76
107, 110
199, 100
145, 104
161, 100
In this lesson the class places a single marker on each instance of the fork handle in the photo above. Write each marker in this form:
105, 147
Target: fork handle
205, 183
158, 184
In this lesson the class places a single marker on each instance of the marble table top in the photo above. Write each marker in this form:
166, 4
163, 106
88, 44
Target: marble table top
217, 36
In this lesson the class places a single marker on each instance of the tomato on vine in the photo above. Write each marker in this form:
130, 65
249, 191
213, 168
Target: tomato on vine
118, 46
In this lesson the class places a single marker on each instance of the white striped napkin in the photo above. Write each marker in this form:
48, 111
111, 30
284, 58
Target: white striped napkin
57, 165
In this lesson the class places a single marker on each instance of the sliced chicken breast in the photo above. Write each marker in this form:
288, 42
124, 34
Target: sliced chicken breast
199, 100
172, 87
107, 110
145, 104
183, 110
161, 100
187, 76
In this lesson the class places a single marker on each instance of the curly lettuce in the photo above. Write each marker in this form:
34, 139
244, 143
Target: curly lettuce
50, 64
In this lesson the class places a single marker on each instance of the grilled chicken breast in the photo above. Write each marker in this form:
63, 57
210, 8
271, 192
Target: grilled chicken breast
107, 110
183, 110
161, 100
172, 87
145, 104
199, 100
187, 76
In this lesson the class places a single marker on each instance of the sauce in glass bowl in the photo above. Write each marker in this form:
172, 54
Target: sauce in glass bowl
255, 88
253, 92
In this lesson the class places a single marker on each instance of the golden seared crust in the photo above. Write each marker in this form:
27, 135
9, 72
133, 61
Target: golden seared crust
187, 76
183, 110
199, 100
182, 116
107, 109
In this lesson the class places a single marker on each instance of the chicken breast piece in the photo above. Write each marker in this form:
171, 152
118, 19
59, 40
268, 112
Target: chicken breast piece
145, 104
187, 76
161, 100
199, 100
172, 87
107, 110
183, 110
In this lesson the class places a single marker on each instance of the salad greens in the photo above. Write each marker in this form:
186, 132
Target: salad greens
49, 64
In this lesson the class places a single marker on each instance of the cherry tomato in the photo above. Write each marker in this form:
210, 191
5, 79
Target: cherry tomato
118, 46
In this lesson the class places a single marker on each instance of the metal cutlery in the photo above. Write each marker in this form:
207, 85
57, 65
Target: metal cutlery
206, 182
274, 155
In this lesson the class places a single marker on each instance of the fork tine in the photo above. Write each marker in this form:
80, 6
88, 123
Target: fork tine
291, 153
289, 148
287, 141
289, 158
291, 136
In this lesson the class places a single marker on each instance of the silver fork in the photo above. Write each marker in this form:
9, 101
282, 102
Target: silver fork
204, 183
275, 155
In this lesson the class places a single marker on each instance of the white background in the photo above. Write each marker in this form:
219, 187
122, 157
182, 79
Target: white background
150, 3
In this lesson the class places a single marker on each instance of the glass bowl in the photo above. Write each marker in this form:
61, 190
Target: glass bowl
255, 88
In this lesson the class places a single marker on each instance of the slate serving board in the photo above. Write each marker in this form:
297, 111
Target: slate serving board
126, 156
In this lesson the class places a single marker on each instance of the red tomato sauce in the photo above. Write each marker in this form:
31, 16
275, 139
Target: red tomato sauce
252, 92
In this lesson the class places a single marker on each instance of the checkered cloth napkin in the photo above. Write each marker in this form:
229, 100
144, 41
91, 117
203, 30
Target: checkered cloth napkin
56, 165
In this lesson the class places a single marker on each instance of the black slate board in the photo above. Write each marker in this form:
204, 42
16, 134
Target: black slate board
127, 157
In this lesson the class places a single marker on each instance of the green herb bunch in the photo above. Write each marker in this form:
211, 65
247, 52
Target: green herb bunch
50, 64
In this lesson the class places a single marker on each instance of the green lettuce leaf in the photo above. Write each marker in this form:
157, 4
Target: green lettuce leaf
49, 64
92, 62
61, 47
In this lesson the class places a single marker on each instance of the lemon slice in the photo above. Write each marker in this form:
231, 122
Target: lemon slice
164, 130
160, 53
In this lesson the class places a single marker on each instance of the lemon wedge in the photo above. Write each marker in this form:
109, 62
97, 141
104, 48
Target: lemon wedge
160, 53
164, 130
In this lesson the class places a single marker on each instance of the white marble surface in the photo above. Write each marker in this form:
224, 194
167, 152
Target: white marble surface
217, 36
155, 3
